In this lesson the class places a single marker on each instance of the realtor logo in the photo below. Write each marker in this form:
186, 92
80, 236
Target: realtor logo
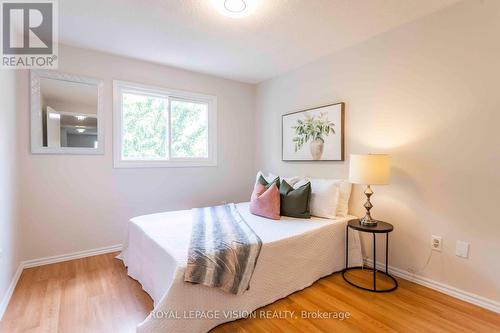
29, 34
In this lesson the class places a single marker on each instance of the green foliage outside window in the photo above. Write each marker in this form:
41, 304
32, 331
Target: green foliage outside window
189, 129
145, 128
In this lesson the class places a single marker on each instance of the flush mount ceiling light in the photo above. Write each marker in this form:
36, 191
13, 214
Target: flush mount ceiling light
80, 130
235, 8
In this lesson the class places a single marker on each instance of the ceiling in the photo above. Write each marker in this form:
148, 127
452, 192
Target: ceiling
279, 36
71, 121
69, 96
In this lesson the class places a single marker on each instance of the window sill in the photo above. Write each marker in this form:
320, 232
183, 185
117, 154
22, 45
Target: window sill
119, 164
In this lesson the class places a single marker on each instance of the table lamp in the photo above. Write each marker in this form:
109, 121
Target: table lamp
372, 169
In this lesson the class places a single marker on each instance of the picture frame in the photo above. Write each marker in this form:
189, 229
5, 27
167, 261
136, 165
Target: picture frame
314, 134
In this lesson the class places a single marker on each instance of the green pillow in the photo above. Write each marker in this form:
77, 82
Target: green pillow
295, 202
264, 182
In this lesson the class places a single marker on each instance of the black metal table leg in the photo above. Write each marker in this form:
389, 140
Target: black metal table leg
386, 253
374, 263
381, 228
346, 248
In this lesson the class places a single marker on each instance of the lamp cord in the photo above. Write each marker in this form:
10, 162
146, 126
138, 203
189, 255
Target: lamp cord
426, 263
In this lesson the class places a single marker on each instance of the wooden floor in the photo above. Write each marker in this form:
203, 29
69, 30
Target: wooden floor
96, 295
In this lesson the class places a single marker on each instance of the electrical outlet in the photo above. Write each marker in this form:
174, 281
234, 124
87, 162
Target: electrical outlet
462, 249
436, 243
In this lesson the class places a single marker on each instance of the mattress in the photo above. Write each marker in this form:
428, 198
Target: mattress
295, 253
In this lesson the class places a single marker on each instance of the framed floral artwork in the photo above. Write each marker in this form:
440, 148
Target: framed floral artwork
315, 134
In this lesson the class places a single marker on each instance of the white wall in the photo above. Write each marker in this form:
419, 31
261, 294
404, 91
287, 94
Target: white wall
9, 226
73, 203
427, 93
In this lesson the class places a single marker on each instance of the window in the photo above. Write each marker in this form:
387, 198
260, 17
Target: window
157, 127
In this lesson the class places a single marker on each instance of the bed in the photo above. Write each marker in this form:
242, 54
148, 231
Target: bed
295, 253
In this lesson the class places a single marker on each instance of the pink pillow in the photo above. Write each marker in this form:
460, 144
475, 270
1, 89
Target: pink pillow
265, 202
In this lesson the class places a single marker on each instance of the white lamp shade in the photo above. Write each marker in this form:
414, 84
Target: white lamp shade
369, 169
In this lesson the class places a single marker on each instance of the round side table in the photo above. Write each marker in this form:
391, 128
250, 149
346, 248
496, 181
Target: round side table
380, 228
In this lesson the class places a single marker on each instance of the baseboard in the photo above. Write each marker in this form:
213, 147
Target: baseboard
51, 260
71, 256
441, 287
10, 290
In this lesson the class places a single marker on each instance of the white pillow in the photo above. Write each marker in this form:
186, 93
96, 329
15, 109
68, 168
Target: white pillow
292, 181
324, 198
329, 197
344, 195
268, 178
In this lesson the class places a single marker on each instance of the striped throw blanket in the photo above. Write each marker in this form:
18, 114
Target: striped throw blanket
223, 250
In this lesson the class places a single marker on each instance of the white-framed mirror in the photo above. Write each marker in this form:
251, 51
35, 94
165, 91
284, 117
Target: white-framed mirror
66, 114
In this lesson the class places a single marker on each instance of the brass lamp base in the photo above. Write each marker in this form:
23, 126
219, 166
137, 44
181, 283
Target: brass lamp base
367, 219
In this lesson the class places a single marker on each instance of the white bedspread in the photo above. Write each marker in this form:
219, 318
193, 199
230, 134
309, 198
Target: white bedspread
295, 253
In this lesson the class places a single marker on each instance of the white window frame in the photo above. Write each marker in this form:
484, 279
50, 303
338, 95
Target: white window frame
170, 94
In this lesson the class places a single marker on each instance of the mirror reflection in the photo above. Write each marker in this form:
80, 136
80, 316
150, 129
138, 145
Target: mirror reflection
69, 114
